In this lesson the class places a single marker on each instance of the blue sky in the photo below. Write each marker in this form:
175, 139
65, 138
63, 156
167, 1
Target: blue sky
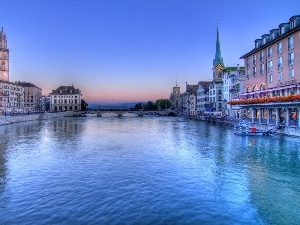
130, 50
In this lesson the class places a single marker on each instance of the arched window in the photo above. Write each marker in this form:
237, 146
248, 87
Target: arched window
262, 87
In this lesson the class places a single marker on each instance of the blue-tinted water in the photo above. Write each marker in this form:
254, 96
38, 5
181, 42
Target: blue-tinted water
149, 170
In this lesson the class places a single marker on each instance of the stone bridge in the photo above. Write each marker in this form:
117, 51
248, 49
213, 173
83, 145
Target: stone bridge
120, 113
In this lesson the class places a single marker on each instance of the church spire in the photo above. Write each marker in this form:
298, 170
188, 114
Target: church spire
218, 57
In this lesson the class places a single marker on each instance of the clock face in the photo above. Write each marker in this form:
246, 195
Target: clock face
219, 67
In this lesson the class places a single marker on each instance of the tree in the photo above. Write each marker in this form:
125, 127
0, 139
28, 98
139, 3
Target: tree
163, 103
138, 106
150, 106
84, 105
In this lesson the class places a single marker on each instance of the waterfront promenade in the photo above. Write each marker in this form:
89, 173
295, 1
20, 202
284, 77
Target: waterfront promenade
4, 120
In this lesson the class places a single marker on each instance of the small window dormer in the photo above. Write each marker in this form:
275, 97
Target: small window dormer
265, 38
258, 43
274, 33
294, 21
283, 28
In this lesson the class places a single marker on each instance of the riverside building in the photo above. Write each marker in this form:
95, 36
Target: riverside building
202, 96
11, 97
175, 98
32, 96
272, 84
65, 98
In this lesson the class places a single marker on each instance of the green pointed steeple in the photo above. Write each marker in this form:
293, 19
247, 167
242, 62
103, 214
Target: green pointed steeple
218, 58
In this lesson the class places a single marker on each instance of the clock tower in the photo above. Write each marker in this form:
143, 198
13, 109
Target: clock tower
218, 64
4, 57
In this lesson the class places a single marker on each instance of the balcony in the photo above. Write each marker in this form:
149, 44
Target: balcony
234, 90
275, 99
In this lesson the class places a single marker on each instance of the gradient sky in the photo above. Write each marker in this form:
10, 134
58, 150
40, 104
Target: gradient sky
131, 50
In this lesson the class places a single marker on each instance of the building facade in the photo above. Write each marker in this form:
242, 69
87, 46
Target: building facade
65, 98
233, 86
32, 96
4, 57
272, 84
175, 99
11, 97
202, 97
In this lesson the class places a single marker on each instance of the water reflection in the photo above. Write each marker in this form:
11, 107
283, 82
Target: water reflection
3, 168
146, 170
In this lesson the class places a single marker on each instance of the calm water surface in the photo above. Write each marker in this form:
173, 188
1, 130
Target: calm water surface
149, 170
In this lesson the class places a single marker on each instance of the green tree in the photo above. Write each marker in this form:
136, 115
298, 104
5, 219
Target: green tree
84, 105
138, 106
163, 103
150, 106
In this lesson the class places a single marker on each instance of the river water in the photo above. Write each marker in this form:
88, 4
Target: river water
145, 170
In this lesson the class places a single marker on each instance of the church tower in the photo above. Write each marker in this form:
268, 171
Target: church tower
4, 57
218, 64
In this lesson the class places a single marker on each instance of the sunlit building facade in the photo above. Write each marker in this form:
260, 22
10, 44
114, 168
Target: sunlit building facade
11, 97
65, 98
272, 84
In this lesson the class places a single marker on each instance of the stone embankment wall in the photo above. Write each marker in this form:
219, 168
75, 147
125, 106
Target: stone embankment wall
291, 131
24, 118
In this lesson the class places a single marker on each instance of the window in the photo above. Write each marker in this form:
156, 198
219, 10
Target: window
270, 66
290, 43
291, 72
282, 30
270, 78
291, 58
279, 47
261, 56
247, 62
254, 59
279, 62
279, 75
248, 73
270, 52
262, 70
254, 71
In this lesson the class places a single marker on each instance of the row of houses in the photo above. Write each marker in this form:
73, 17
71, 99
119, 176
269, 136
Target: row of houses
211, 96
265, 91
25, 97
22, 97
